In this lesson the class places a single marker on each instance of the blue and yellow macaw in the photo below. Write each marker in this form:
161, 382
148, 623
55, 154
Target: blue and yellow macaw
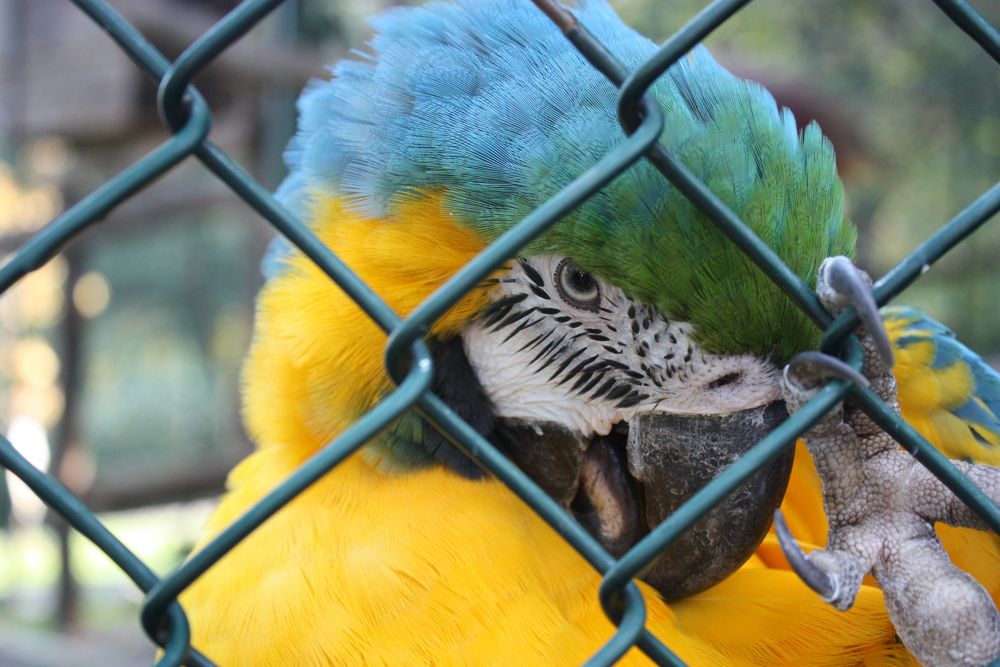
633, 317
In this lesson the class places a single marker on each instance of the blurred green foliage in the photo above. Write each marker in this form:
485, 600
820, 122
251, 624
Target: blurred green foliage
162, 361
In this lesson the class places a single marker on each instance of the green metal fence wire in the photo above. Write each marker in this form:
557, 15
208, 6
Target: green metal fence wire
407, 359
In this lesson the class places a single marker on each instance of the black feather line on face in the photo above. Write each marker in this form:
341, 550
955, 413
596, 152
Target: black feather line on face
539, 292
498, 309
603, 389
580, 381
566, 362
456, 384
556, 351
532, 273
513, 317
633, 399
618, 392
580, 367
536, 341
521, 327
590, 385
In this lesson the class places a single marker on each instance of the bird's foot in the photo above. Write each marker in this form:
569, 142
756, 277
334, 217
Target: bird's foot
840, 285
881, 504
835, 575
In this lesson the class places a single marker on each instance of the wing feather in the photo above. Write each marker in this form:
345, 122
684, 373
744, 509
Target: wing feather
946, 391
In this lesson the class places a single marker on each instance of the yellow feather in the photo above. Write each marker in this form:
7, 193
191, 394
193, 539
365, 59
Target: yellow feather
370, 568
321, 355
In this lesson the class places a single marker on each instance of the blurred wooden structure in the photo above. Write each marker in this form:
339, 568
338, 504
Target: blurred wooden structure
62, 77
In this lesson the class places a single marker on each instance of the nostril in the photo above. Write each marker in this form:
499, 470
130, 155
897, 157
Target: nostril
728, 378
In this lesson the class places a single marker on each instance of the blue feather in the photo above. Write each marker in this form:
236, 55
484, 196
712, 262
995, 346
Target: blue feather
981, 409
455, 102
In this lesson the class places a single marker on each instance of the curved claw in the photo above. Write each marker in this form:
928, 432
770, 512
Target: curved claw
815, 578
808, 369
851, 283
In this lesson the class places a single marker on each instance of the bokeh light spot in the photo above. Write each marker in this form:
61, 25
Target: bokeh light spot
91, 294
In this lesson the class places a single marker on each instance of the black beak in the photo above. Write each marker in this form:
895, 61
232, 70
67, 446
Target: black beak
675, 455
622, 484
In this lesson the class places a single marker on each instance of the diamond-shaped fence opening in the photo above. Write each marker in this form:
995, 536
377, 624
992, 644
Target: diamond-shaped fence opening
188, 117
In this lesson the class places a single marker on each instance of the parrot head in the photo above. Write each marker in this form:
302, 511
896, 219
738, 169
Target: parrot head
631, 352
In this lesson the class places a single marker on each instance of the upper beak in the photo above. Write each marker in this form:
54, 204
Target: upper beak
675, 455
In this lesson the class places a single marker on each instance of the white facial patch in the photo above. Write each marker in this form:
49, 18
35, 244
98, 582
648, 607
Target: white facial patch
558, 345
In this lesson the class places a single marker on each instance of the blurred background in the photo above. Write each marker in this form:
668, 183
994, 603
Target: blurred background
119, 360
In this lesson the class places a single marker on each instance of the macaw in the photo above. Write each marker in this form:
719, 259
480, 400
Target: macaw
630, 323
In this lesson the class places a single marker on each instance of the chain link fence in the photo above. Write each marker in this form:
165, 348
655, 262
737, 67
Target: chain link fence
408, 361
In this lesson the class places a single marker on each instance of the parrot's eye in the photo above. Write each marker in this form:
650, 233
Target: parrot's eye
576, 286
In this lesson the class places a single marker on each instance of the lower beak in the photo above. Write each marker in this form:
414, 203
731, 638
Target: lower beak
621, 485
672, 456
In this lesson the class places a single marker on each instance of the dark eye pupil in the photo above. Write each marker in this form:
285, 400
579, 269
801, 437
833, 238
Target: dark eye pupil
581, 280
577, 287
